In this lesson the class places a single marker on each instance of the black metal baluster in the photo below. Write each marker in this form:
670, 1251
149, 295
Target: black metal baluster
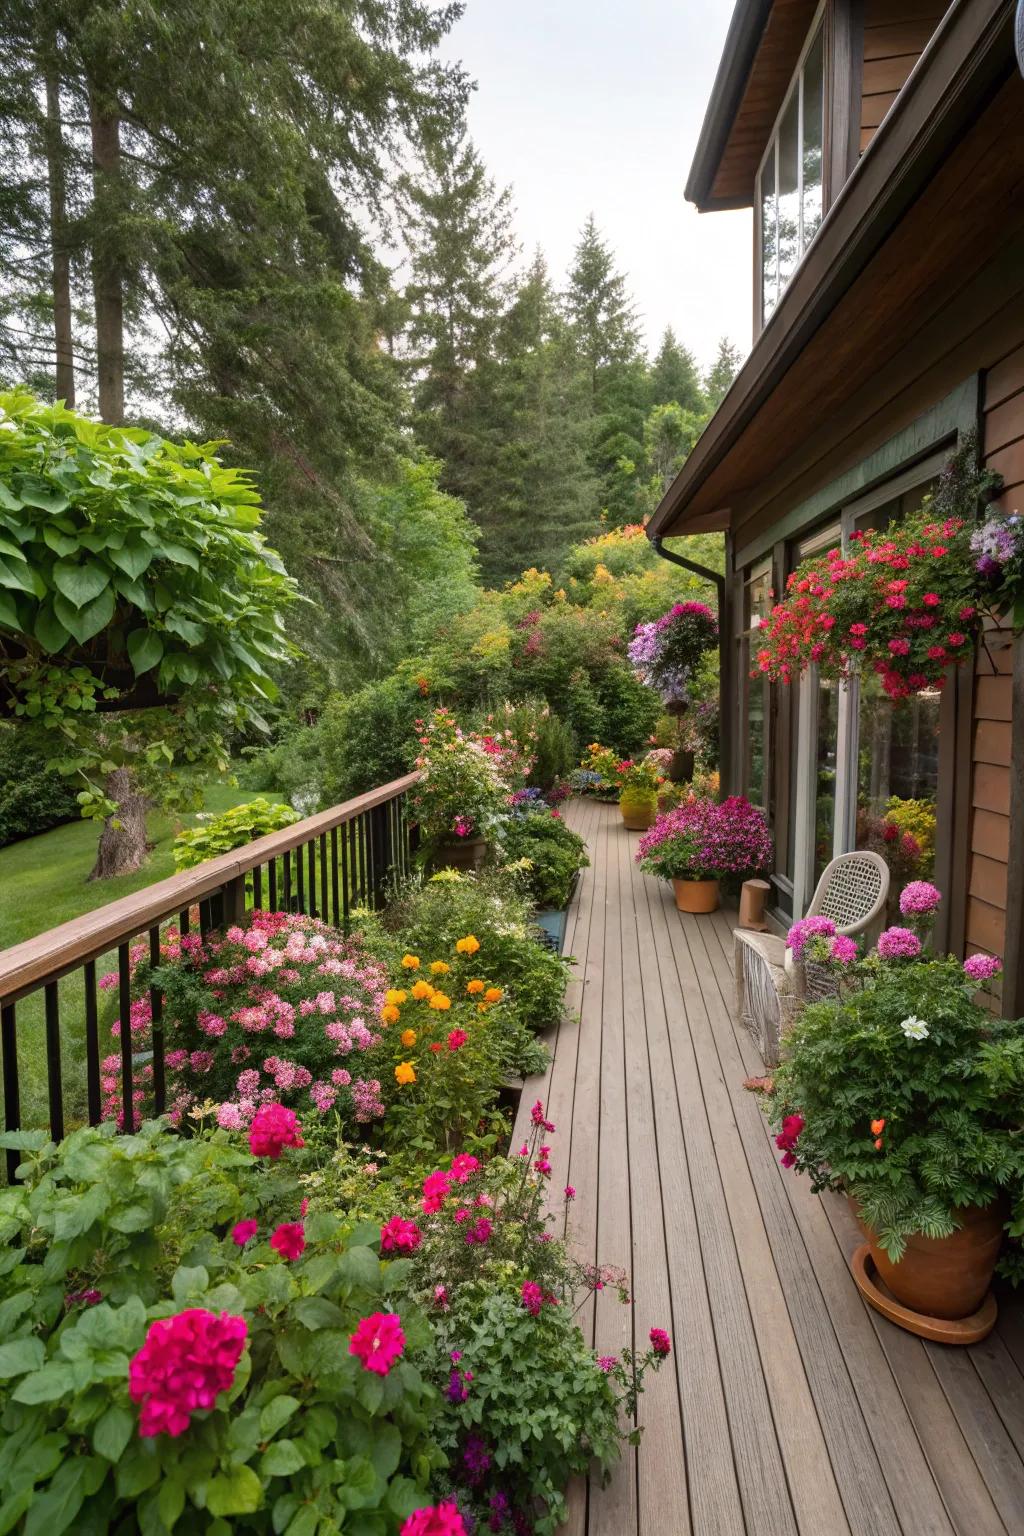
364, 838
184, 922
92, 1043
257, 888
12, 1097
346, 841
53, 1077
287, 871
272, 873
324, 910
156, 1004
335, 893
124, 987
300, 879
311, 876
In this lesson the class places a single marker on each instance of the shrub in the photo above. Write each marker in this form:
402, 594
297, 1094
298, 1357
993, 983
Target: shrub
465, 780
553, 852
33, 798
429, 918
130, 1288
213, 835
292, 766
630, 710
700, 840
367, 738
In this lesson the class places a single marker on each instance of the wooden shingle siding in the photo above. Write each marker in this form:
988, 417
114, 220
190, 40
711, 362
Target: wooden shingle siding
895, 36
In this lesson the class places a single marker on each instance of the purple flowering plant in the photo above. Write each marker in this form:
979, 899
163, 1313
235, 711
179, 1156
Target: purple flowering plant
705, 840
666, 652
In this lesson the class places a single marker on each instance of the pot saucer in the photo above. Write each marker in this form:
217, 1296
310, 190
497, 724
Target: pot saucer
942, 1330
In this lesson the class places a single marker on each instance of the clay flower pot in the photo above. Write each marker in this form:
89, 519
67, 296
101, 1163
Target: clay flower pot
945, 1277
638, 810
696, 895
462, 853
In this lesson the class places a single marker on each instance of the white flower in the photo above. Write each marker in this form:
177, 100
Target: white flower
914, 1028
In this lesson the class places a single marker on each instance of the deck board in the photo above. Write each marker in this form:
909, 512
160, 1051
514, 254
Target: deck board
789, 1408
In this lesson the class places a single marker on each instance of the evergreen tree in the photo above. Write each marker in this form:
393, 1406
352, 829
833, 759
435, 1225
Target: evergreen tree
461, 245
674, 375
723, 370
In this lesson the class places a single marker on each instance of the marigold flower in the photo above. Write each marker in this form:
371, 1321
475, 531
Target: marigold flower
474, 986
439, 967
421, 990
396, 996
482, 1007
469, 945
408, 1037
405, 1073
410, 962
390, 1014
493, 995
441, 1001
378, 1342
289, 1240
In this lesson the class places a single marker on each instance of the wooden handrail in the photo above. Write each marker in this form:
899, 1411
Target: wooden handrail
61, 949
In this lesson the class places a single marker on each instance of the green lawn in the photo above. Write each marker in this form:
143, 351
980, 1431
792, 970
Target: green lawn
45, 882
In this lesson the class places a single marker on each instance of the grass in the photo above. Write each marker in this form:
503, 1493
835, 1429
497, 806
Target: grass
45, 881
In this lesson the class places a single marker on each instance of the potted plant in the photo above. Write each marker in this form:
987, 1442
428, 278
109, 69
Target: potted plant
902, 1092
638, 792
700, 843
596, 775
463, 793
666, 653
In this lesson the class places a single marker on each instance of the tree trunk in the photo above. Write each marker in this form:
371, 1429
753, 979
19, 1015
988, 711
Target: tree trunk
123, 847
64, 346
107, 283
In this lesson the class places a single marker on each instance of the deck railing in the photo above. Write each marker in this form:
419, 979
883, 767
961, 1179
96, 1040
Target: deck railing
325, 866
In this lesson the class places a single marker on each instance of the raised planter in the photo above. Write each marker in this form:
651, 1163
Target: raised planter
638, 811
467, 853
696, 895
942, 1277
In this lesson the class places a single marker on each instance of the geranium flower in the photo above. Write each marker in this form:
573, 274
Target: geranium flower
186, 1362
400, 1235
244, 1231
660, 1342
898, 944
435, 1187
457, 1039
982, 968
919, 897
273, 1127
607, 1363
532, 1297
378, 1342
289, 1240
464, 1164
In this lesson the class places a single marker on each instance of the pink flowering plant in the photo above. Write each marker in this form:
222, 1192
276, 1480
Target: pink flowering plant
705, 840
666, 654
903, 1090
466, 780
170, 1363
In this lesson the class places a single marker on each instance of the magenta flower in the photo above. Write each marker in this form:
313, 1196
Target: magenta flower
982, 968
439, 1520
400, 1236
435, 1187
480, 1232
183, 1366
532, 1296
463, 1165
378, 1342
274, 1127
786, 1140
289, 1240
244, 1231
919, 898
607, 1362
457, 1039
898, 944
843, 949
569, 1192
807, 928
660, 1342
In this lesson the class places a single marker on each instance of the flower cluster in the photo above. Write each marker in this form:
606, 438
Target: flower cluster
786, 1140
666, 653
998, 547
643, 777
184, 1365
702, 840
466, 778
901, 602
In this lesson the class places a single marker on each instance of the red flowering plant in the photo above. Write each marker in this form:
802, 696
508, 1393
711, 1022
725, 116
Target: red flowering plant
188, 1343
705, 840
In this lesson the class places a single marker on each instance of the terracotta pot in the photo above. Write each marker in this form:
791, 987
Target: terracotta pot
944, 1276
696, 895
639, 815
466, 853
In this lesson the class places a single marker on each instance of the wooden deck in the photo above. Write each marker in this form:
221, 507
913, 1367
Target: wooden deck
788, 1406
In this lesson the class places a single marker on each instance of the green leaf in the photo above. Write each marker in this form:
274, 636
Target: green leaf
145, 648
46, 1386
281, 1459
60, 543
238, 1492
276, 1415
11, 1510
8, 547
80, 584
49, 631
179, 555
317, 1312
86, 621
185, 629
18, 577
133, 559
361, 1266
184, 668
112, 1433
41, 495
9, 500
20, 1356
53, 1510
170, 1501
305, 1523
8, 612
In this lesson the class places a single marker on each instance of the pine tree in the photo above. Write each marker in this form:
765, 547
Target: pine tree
722, 372
674, 375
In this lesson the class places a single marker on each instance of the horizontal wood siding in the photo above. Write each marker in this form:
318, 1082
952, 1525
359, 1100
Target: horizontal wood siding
895, 36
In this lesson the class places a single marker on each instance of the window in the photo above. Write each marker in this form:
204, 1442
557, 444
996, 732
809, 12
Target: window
790, 180
757, 604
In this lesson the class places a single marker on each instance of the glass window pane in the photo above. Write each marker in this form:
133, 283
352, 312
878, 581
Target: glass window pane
769, 244
826, 741
756, 740
814, 81
897, 782
788, 147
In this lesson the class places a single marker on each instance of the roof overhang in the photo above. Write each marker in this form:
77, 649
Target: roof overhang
970, 57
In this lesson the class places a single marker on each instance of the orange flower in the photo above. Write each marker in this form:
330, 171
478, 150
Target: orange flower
408, 1038
421, 990
411, 962
396, 997
469, 945
494, 995
441, 1001
390, 1014
878, 1144
482, 1007
473, 987
405, 1072
439, 967
877, 1127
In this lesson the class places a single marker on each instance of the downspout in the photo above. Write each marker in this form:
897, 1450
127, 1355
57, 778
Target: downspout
718, 580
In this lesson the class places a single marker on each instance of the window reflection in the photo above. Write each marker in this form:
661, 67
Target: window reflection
812, 139
788, 151
769, 244
789, 192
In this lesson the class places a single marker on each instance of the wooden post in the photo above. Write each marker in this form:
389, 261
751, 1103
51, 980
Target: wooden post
1013, 954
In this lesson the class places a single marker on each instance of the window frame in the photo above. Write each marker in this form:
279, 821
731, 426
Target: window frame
818, 25
750, 622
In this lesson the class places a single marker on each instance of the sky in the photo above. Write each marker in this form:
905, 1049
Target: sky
595, 106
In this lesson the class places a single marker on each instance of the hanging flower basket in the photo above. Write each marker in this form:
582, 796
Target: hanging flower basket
666, 653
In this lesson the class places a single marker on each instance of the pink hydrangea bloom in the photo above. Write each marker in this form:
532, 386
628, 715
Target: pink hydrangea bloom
289, 1240
982, 968
919, 898
273, 1127
439, 1520
184, 1365
807, 928
378, 1342
898, 944
400, 1235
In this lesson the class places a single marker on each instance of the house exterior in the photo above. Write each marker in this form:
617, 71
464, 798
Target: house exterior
880, 144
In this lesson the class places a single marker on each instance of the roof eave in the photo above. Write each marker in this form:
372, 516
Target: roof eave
741, 44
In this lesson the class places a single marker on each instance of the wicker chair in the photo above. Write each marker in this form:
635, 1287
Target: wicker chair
770, 985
